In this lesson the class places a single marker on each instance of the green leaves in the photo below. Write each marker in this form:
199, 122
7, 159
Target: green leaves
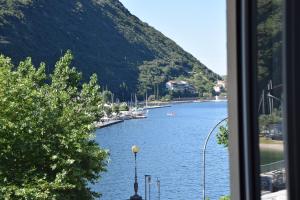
46, 131
266, 120
222, 135
225, 198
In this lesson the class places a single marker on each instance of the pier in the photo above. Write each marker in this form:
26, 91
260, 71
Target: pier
108, 123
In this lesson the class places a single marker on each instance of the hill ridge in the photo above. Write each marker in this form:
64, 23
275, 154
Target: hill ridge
104, 37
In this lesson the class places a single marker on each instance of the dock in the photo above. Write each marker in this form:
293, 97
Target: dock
108, 123
158, 106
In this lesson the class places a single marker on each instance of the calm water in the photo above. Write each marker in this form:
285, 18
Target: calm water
170, 149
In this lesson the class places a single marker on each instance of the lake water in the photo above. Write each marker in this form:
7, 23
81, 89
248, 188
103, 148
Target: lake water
170, 149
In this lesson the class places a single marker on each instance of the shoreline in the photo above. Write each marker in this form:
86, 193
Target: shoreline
155, 105
272, 147
196, 100
108, 123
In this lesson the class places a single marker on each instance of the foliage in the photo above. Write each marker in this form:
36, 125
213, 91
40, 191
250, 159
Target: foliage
104, 37
123, 107
151, 79
107, 111
221, 198
151, 98
47, 149
269, 44
123, 91
206, 95
153, 76
166, 98
203, 81
115, 108
265, 120
222, 135
107, 96
223, 94
225, 198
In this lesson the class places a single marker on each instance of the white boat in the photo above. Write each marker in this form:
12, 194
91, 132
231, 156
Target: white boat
139, 117
125, 115
138, 111
171, 114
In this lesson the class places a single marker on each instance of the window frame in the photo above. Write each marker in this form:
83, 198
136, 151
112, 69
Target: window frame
291, 89
242, 116
244, 146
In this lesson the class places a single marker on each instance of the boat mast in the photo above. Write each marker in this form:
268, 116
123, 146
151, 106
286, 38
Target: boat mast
146, 99
135, 101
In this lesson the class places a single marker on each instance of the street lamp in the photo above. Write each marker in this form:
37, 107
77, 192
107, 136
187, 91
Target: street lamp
204, 151
135, 149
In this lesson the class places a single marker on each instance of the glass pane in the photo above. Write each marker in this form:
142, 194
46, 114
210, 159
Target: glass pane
269, 98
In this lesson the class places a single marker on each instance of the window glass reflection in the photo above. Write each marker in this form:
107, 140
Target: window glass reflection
269, 98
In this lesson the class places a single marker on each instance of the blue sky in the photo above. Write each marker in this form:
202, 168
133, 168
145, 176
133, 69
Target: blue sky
198, 26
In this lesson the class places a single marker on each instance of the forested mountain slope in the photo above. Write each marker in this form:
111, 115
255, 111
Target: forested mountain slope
104, 37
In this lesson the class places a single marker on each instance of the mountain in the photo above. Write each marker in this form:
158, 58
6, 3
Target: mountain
104, 37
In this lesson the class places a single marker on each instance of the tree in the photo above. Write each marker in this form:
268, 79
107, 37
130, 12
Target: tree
266, 120
107, 96
201, 82
151, 78
123, 107
47, 150
124, 90
115, 108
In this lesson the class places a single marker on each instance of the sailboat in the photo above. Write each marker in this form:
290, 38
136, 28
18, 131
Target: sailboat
138, 113
146, 100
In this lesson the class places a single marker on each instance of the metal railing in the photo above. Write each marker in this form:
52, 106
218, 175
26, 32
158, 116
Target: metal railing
272, 166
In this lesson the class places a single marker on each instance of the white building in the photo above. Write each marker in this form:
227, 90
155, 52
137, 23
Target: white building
220, 86
180, 86
221, 83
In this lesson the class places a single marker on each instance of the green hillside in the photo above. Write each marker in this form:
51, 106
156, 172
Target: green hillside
104, 37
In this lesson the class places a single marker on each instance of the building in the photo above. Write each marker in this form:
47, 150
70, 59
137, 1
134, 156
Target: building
180, 86
217, 89
222, 83
220, 86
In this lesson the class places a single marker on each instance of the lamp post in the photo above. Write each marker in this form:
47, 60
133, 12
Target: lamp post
204, 151
158, 188
146, 180
135, 149
149, 182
